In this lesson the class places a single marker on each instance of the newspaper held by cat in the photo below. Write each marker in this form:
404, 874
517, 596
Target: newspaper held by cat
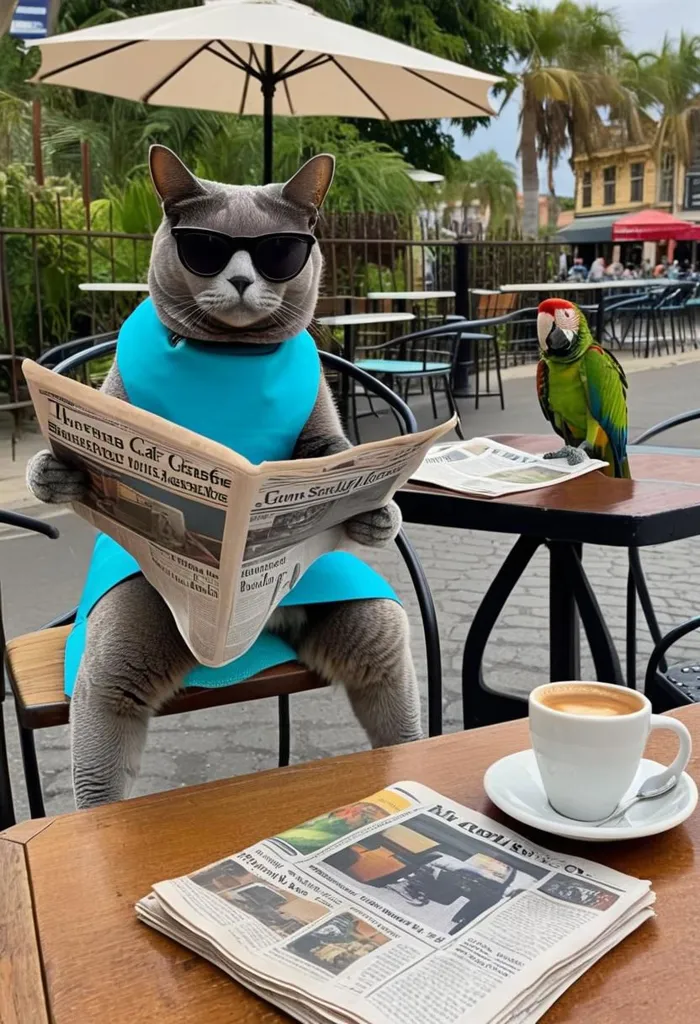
222, 540
403, 907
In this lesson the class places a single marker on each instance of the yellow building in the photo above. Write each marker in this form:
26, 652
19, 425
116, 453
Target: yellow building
620, 177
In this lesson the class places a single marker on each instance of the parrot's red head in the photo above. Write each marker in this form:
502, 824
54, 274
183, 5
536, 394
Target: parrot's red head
558, 323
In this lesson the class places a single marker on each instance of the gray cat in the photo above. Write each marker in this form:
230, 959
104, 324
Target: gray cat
135, 658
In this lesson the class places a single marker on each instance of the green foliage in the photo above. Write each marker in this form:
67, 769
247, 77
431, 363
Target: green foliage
62, 262
479, 33
569, 60
667, 83
488, 180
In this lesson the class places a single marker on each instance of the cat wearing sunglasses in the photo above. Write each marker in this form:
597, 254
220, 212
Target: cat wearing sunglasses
221, 346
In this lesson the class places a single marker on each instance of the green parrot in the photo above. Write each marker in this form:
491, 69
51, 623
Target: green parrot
582, 388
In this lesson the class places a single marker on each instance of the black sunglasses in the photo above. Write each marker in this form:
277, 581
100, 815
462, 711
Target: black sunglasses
277, 257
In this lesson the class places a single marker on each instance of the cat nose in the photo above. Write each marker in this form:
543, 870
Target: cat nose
240, 283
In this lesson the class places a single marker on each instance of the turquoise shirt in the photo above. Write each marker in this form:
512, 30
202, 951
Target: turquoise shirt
254, 399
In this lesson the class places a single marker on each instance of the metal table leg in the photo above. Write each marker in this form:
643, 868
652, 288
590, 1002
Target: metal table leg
600, 318
564, 645
570, 595
344, 379
480, 705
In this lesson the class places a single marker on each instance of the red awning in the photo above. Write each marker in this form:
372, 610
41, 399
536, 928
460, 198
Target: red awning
654, 226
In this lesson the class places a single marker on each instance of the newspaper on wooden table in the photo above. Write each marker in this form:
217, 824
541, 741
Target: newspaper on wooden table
222, 540
403, 907
488, 469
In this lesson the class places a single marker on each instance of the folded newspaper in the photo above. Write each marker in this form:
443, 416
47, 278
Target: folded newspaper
489, 469
222, 540
402, 907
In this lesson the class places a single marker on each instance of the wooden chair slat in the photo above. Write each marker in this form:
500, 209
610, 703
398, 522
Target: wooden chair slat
35, 670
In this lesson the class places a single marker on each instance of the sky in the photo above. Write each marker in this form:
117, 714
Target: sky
645, 23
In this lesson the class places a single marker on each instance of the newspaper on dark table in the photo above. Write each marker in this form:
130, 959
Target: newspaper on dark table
222, 540
489, 469
402, 907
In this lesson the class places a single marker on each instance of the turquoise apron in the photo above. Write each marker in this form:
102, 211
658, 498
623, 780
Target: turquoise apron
254, 399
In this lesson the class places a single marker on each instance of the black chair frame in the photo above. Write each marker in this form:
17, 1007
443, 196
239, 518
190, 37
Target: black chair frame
410, 558
7, 811
417, 347
656, 684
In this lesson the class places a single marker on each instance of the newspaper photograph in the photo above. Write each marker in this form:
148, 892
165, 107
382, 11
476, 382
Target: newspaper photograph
488, 469
221, 539
404, 906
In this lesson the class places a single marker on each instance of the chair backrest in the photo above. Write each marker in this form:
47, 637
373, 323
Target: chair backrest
661, 428
506, 303
328, 360
53, 356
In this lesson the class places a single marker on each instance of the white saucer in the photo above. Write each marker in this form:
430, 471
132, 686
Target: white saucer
514, 785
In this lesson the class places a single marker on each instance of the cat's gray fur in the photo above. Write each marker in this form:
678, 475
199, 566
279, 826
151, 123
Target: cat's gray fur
135, 658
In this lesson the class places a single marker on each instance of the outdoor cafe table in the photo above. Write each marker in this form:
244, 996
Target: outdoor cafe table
349, 322
74, 953
415, 296
113, 286
557, 287
660, 504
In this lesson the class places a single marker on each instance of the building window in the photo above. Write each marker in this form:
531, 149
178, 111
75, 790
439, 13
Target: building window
667, 172
636, 183
586, 189
609, 179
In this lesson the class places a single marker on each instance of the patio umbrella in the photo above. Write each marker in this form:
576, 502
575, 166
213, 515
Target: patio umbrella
654, 226
262, 57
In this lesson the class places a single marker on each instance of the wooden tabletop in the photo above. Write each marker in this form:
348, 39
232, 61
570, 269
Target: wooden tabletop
660, 503
72, 951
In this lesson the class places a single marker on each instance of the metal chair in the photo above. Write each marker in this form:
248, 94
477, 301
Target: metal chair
34, 662
7, 811
427, 355
666, 686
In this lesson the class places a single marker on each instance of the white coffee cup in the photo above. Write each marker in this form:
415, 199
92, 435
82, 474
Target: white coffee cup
589, 739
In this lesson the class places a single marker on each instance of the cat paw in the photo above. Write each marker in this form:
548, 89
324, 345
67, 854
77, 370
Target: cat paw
376, 528
574, 456
54, 482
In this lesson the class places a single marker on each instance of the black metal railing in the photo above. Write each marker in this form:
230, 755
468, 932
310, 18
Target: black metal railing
42, 267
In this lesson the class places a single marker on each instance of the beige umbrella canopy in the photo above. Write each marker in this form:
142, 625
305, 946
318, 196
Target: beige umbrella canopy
262, 57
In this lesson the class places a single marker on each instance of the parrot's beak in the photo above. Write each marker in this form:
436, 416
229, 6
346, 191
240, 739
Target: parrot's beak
545, 323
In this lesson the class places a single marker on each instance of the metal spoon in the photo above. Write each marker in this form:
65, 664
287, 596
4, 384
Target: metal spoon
645, 792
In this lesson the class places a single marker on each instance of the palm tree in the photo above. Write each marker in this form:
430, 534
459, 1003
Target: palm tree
488, 180
569, 70
668, 85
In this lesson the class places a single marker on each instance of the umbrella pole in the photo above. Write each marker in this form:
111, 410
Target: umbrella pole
268, 90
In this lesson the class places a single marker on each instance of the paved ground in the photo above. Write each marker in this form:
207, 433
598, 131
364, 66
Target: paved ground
41, 578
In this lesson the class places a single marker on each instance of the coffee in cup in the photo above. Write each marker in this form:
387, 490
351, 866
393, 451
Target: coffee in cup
589, 739
591, 699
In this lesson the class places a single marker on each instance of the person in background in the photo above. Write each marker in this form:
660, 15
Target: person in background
597, 271
646, 268
615, 270
660, 268
674, 271
579, 271
563, 265
629, 272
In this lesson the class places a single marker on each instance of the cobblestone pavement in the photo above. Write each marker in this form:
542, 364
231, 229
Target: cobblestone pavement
41, 579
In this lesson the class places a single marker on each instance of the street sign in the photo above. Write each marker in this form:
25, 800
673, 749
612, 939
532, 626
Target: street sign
31, 20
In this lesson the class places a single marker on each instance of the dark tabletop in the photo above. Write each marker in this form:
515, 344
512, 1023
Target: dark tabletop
660, 503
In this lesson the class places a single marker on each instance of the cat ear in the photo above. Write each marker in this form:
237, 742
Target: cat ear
171, 179
310, 184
